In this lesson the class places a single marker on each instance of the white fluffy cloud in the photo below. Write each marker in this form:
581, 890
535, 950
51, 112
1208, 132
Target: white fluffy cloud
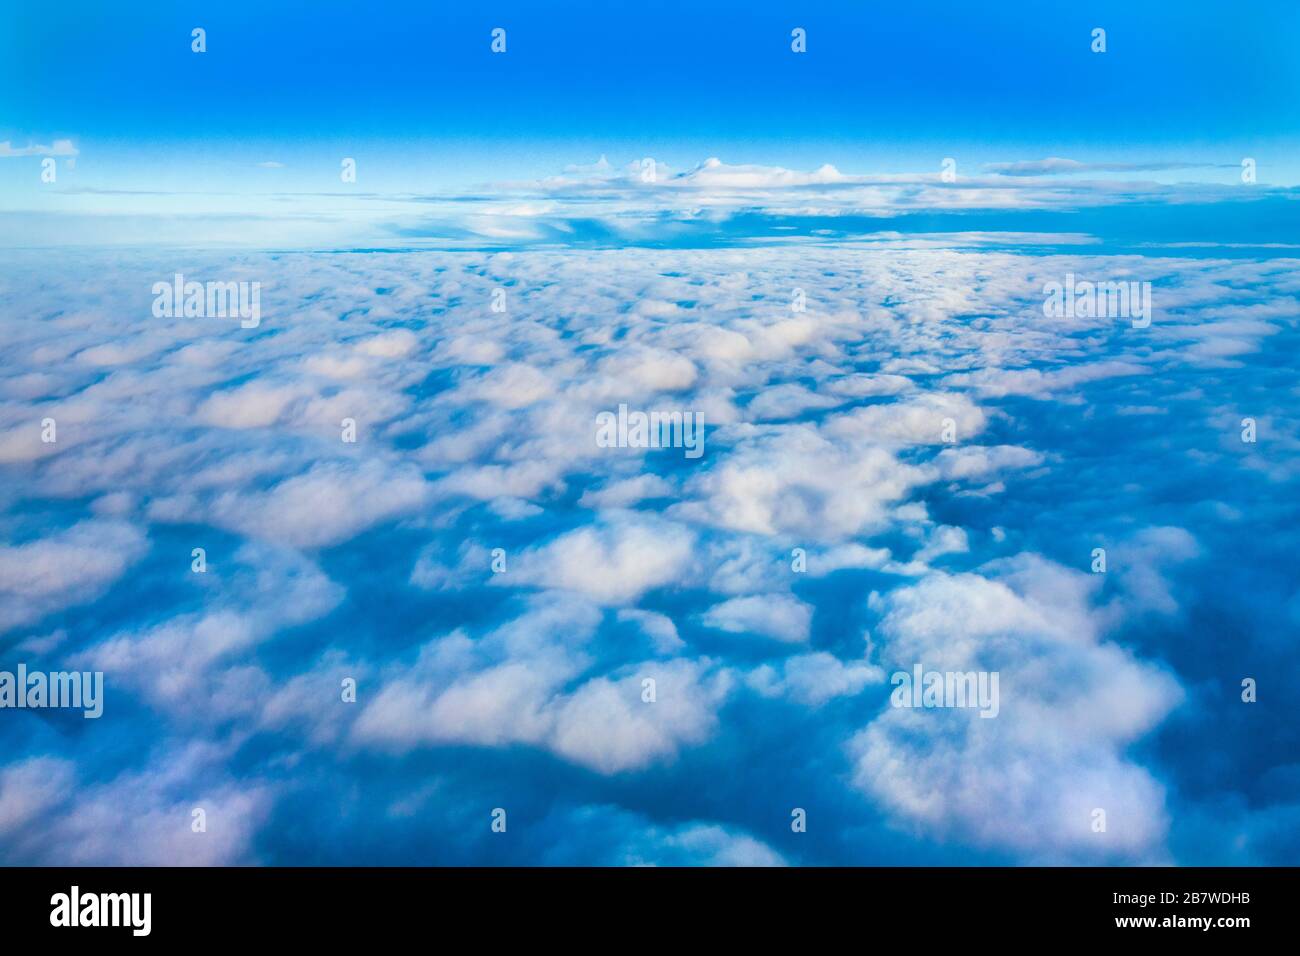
135, 819
192, 666
609, 725
328, 504
701, 845
614, 562
778, 616
510, 687
813, 679
70, 567
1070, 704
793, 480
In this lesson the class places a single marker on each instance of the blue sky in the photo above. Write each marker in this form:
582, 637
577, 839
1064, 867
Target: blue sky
422, 104
520, 177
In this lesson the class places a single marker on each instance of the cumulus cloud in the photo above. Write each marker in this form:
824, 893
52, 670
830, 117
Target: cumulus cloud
70, 567
509, 687
919, 432
1070, 704
30, 789
778, 616
795, 480
702, 845
191, 666
323, 506
814, 679
715, 173
627, 491
133, 819
614, 561
609, 725
922, 420
617, 837
976, 461
646, 199
658, 627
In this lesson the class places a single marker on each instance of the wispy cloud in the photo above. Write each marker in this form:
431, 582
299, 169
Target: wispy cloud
60, 147
1055, 166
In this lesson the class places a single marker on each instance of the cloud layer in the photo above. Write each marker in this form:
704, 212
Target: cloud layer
644, 657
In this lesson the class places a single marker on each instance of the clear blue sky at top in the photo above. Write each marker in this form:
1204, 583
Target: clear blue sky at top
883, 86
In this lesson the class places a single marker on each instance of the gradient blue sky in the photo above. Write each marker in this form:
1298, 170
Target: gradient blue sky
415, 95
